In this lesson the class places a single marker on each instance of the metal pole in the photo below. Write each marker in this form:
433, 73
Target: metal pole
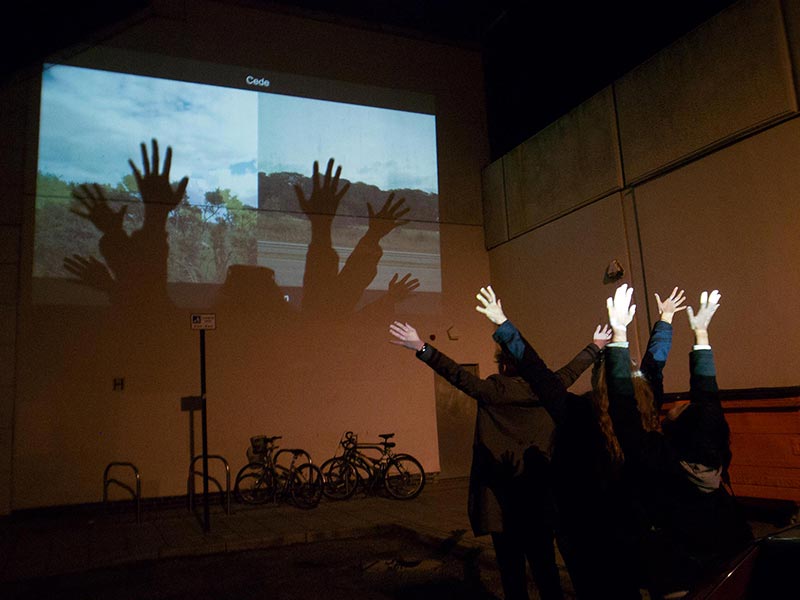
204, 425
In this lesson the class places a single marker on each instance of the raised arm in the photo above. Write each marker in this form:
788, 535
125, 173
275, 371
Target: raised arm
622, 407
703, 380
483, 390
544, 382
660, 342
584, 359
510, 337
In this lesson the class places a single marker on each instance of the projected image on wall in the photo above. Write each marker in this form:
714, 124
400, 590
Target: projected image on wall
249, 204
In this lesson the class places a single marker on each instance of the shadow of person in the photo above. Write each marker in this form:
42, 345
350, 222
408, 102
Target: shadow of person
382, 308
250, 296
327, 290
135, 270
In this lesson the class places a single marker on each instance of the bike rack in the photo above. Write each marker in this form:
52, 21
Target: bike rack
193, 473
136, 494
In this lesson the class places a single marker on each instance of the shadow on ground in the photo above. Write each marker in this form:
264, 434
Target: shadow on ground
397, 565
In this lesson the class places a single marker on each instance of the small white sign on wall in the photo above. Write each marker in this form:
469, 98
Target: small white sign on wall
204, 321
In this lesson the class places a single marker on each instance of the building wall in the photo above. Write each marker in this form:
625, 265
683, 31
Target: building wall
61, 422
685, 171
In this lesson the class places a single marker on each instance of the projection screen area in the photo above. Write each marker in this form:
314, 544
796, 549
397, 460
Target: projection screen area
244, 139
166, 188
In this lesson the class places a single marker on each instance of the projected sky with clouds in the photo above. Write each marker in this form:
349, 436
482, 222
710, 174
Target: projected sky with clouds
93, 121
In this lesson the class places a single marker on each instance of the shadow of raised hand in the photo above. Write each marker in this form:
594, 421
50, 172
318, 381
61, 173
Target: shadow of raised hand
135, 270
90, 271
154, 187
400, 289
322, 260
325, 196
388, 217
96, 209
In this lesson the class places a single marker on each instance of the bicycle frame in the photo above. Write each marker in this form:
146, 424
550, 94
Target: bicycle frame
268, 480
375, 467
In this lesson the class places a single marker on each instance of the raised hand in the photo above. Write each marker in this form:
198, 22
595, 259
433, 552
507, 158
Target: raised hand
406, 336
90, 271
602, 336
668, 307
154, 187
401, 288
325, 196
709, 303
491, 306
96, 209
620, 312
388, 217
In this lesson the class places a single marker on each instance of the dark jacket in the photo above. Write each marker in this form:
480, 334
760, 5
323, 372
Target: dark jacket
685, 532
512, 444
595, 535
580, 461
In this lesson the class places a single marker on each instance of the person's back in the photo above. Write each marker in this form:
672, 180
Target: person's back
692, 524
510, 493
511, 447
593, 532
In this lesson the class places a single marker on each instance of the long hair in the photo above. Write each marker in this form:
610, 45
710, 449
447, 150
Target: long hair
644, 402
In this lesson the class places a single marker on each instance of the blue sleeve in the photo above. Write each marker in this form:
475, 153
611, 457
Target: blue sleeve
508, 336
545, 383
655, 358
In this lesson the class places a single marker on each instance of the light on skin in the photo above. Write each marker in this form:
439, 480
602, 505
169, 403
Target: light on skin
406, 336
670, 305
620, 312
709, 303
490, 306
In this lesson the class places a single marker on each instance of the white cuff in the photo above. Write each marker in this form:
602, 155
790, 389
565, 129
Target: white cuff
619, 344
701, 347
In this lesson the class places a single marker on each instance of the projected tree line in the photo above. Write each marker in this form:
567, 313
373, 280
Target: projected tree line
206, 238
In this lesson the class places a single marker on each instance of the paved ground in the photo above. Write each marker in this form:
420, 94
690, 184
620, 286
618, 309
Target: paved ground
91, 553
366, 547
396, 565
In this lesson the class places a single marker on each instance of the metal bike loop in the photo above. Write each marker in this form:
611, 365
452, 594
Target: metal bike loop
193, 472
135, 493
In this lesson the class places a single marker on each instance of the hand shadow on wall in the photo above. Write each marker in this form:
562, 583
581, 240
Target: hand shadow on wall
329, 292
134, 270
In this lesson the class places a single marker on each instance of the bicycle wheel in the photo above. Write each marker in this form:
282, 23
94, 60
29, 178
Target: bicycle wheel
404, 477
339, 479
307, 485
254, 484
282, 478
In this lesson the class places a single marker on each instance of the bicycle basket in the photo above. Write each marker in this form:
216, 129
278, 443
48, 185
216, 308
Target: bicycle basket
349, 440
258, 445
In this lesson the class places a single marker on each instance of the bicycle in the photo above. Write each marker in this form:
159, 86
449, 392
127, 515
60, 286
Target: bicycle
401, 475
263, 479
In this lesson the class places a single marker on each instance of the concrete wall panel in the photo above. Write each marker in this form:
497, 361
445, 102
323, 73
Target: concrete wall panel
573, 161
725, 78
495, 221
730, 222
